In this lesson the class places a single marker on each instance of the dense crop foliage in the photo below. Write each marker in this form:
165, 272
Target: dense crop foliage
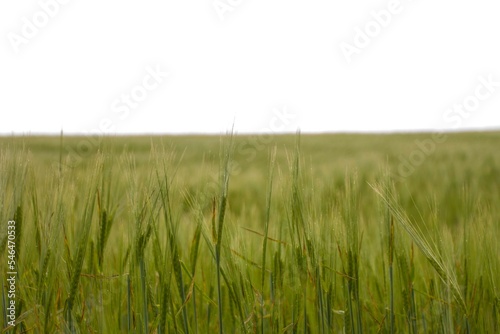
286, 234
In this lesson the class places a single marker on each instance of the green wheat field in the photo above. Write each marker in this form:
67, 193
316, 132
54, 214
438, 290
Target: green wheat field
251, 234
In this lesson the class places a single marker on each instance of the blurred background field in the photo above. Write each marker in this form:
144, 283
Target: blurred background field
121, 234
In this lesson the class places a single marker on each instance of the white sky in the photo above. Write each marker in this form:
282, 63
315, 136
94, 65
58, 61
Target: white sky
264, 57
